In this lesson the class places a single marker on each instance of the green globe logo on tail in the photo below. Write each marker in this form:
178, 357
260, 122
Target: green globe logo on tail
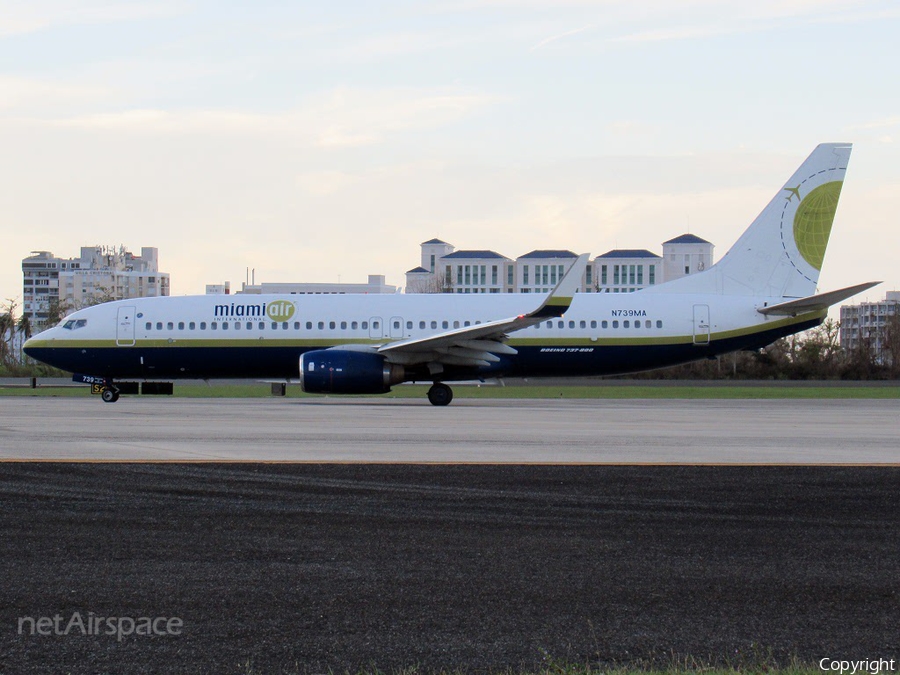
813, 219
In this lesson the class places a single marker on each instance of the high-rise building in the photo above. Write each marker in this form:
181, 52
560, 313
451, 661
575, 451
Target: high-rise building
54, 286
871, 323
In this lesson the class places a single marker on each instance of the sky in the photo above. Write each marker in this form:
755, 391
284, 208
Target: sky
318, 142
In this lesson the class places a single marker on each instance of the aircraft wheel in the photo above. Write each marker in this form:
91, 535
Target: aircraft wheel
440, 394
109, 396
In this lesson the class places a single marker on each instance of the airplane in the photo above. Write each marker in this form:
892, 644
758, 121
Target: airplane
763, 289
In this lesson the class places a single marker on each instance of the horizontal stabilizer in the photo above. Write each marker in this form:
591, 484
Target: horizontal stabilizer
814, 303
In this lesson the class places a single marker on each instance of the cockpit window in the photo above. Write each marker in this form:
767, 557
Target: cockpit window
73, 324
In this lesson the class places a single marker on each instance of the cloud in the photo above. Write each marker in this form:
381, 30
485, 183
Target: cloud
341, 118
19, 93
554, 38
882, 123
30, 17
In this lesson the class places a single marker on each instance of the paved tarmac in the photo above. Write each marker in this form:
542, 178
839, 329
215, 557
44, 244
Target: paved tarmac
858, 431
286, 569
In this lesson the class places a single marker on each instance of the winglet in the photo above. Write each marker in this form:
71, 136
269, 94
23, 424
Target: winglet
815, 303
560, 298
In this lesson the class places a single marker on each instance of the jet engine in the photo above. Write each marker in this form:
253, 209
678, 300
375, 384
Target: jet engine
344, 371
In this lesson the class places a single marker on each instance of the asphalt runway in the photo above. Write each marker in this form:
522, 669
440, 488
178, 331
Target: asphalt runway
783, 431
305, 568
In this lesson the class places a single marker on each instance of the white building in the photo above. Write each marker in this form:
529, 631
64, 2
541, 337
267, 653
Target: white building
870, 321
219, 289
99, 274
475, 271
376, 284
687, 254
625, 270
445, 270
539, 271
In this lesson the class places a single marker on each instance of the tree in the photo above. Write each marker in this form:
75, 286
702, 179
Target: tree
437, 282
56, 311
890, 343
24, 326
9, 357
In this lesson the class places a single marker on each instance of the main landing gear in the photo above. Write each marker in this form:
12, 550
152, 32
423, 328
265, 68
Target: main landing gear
440, 394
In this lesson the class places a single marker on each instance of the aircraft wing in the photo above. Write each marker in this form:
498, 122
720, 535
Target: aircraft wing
478, 345
813, 303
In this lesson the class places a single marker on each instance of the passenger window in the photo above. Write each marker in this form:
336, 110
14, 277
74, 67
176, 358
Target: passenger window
615, 324
626, 324
456, 324
647, 324
354, 325
364, 325
321, 325
159, 325
214, 326
284, 325
659, 324
582, 324
192, 326
376, 325
560, 324
434, 324
343, 325
571, 324
262, 325
237, 325
396, 325
549, 324
296, 325
409, 325
604, 324
308, 325
593, 324
148, 326
181, 325
331, 325
202, 325
445, 324
225, 325
467, 323
422, 324
170, 326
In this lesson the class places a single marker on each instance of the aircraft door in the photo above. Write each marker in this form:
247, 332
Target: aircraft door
125, 327
375, 328
396, 327
701, 324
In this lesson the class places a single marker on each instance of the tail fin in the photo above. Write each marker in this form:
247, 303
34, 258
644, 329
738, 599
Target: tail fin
781, 253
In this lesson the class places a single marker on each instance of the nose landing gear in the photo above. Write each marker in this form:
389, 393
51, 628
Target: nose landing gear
109, 395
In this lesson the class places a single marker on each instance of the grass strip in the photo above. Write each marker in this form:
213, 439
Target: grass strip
259, 390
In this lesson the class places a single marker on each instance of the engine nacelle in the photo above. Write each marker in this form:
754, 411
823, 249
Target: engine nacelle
343, 371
